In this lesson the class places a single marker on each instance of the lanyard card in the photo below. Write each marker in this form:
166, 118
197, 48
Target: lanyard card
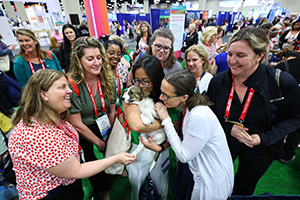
104, 126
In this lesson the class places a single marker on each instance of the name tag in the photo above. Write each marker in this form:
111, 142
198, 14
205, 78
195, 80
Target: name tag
104, 126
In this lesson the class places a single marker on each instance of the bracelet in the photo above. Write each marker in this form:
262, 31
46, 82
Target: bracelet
162, 147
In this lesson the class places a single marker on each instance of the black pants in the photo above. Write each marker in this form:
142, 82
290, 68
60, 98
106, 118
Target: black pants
99, 181
253, 163
183, 182
291, 144
70, 192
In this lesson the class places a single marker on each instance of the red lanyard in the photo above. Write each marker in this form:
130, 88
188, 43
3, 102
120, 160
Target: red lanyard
294, 35
1, 46
183, 119
31, 66
93, 99
118, 81
246, 106
213, 54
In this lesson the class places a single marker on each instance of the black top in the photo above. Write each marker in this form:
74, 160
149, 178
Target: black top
191, 39
293, 68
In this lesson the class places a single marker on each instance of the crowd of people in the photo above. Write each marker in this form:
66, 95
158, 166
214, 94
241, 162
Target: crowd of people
227, 103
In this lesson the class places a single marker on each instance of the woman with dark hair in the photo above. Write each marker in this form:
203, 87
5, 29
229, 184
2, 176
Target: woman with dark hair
147, 74
114, 54
203, 145
70, 35
143, 39
31, 57
291, 36
256, 105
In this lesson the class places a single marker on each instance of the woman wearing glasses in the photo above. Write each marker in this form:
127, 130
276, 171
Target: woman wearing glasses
203, 146
161, 46
147, 74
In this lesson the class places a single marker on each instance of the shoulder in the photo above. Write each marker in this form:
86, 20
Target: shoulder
19, 59
177, 65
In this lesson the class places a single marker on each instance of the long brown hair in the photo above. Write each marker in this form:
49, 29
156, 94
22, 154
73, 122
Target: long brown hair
76, 69
41, 53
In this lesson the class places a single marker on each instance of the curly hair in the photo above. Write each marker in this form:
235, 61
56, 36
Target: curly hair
32, 103
40, 52
202, 53
77, 69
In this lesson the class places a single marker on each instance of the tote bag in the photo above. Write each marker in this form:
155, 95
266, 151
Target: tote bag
118, 141
4, 63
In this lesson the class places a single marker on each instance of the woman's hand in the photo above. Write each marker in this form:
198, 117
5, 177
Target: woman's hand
100, 145
161, 111
151, 144
125, 158
240, 133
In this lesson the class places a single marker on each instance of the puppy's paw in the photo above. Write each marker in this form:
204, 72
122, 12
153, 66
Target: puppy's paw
146, 120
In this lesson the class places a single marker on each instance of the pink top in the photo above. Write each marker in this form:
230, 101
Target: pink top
37, 147
59, 37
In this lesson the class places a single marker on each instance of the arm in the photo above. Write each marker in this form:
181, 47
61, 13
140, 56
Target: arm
132, 113
20, 73
71, 167
85, 132
194, 138
282, 38
214, 69
112, 114
6, 49
291, 121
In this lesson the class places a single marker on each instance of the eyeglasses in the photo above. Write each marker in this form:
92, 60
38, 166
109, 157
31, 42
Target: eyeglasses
158, 47
167, 97
145, 82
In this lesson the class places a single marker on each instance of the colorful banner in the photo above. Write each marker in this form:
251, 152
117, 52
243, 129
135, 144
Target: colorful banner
97, 17
177, 19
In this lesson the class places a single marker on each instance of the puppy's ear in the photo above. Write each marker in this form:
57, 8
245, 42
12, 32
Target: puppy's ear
144, 93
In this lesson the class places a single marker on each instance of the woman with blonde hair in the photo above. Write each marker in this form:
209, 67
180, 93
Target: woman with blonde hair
31, 57
208, 40
44, 146
196, 61
191, 37
93, 102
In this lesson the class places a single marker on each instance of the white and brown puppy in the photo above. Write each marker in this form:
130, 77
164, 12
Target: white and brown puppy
141, 97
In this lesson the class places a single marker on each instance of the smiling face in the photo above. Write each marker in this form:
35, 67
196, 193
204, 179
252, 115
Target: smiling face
195, 63
27, 43
141, 75
242, 60
168, 91
91, 62
70, 34
114, 54
58, 95
161, 54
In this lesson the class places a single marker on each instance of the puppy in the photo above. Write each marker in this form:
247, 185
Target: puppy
141, 97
